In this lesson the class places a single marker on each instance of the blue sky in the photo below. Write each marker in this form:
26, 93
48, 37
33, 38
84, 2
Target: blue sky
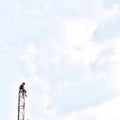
67, 52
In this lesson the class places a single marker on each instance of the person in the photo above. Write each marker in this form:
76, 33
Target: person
22, 89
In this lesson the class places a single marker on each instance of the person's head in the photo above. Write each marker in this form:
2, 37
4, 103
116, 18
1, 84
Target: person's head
23, 83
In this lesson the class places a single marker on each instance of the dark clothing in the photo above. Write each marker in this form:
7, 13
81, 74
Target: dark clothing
22, 89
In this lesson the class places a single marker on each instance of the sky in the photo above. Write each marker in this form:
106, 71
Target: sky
68, 54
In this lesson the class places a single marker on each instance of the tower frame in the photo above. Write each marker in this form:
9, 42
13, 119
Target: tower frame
21, 105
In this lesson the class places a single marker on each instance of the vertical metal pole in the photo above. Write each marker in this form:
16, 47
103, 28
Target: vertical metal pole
18, 104
21, 105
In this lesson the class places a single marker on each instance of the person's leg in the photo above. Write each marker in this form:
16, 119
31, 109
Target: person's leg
25, 93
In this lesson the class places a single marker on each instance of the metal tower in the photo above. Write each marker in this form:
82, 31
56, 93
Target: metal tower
21, 103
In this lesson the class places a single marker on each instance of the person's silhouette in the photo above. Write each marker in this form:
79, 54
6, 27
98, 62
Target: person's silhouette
22, 88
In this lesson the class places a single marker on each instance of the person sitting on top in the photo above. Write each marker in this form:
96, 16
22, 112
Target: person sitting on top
22, 88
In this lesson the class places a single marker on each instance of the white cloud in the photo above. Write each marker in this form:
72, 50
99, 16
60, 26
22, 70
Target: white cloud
114, 12
108, 110
115, 64
78, 45
29, 58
